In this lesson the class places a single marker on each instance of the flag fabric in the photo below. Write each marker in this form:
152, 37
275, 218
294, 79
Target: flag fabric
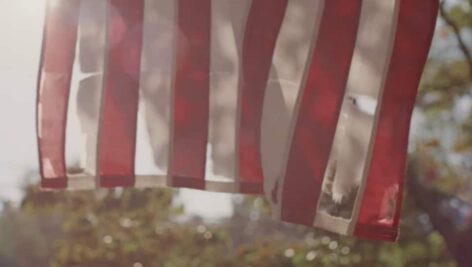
306, 101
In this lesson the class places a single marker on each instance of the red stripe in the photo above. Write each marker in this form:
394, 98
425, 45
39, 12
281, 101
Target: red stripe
191, 94
57, 58
117, 133
415, 29
262, 29
319, 110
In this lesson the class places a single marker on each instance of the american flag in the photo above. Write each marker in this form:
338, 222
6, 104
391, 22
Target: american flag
306, 101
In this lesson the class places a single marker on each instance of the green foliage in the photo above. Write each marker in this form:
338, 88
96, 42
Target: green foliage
419, 246
142, 228
122, 228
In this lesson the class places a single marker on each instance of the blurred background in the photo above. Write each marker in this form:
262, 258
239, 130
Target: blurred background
172, 228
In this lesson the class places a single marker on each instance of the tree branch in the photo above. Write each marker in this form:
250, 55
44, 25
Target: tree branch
460, 40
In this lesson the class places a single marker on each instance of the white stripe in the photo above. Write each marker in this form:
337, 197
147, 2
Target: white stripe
153, 133
87, 182
330, 223
349, 156
296, 40
86, 87
227, 32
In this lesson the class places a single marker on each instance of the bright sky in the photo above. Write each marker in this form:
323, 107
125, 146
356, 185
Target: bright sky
21, 24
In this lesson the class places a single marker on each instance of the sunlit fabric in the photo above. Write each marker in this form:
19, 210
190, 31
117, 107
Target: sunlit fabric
306, 101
